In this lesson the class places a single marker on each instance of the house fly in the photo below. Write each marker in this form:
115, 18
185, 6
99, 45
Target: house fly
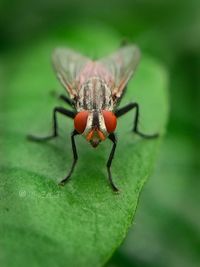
95, 89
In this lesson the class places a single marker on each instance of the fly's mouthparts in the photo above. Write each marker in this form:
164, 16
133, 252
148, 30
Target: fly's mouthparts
95, 133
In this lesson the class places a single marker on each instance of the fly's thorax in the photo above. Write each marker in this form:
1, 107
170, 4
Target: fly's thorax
94, 94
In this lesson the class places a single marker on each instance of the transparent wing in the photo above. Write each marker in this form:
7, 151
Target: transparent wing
68, 64
121, 65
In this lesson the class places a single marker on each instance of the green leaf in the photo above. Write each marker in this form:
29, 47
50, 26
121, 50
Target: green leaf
82, 223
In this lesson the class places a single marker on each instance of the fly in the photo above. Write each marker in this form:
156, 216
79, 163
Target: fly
94, 91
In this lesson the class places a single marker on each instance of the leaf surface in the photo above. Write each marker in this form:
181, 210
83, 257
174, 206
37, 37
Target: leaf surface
82, 223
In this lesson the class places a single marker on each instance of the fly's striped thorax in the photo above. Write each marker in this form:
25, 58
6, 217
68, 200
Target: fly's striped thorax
94, 95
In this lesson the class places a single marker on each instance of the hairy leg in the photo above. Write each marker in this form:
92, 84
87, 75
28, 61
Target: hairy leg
75, 158
126, 109
112, 137
63, 111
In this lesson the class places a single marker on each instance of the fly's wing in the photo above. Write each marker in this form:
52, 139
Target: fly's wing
121, 65
68, 65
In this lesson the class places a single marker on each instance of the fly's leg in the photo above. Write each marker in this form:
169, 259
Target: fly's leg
126, 109
68, 113
75, 157
112, 137
67, 100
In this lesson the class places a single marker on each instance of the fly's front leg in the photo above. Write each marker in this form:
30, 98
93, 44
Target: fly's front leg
75, 157
126, 109
56, 110
112, 137
67, 100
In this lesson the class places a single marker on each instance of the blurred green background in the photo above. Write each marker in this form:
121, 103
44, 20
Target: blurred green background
166, 229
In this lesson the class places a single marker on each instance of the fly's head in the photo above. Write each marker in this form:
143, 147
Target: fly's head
95, 125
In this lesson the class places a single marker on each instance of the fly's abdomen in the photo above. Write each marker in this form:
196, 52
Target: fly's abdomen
94, 95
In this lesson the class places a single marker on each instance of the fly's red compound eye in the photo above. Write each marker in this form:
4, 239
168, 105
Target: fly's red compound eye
110, 120
80, 121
